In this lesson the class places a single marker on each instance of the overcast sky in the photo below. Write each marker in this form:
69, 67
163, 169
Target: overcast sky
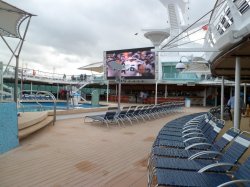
68, 34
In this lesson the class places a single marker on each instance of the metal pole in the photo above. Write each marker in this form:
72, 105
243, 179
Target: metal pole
205, 97
215, 99
21, 87
119, 91
166, 91
237, 94
16, 79
31, 87
222, 99
231, 91
57, 93
107, 91
116, 90
17, 62
156, 93
245, 94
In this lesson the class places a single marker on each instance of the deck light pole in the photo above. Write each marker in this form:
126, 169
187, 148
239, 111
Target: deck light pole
117, 67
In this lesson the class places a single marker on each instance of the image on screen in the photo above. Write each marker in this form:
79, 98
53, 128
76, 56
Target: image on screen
134, 63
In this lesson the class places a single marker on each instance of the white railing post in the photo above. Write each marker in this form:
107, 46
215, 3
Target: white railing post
222, 98
107, 92
245, 94
237, 94
156, 90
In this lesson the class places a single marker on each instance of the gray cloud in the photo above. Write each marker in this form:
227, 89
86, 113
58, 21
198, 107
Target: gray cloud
77, 32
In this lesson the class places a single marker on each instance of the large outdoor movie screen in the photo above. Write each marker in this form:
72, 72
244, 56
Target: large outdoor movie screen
136, 63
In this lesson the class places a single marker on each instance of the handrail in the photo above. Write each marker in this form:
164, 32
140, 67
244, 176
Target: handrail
36, 100
54, 101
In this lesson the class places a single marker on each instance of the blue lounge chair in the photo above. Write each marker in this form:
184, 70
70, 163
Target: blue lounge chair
196, 179
208, 136
188, 152
231, 155
107, 118
122, 116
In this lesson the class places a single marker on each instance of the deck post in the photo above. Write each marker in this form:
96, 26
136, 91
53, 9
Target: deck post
222, 98
156, 92
205, 97
119, 90
231, 91
216, 99
31, 87
166, 91
107, 92
245, 94
237, 94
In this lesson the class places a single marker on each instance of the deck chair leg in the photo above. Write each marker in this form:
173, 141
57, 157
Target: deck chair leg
129, 120
106, 123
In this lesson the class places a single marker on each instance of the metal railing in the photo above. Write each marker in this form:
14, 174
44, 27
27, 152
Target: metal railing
36, 75
180, 76
36, 96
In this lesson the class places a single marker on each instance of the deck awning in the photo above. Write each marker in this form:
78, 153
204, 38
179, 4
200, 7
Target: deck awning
11, 19
97, 67
224, 64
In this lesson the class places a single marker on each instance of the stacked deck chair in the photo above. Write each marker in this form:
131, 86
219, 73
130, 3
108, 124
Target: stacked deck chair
122, 116
192, 119
179, 125
137, 113
219, 145
206, 134
240, 176
232, 154
187, 131
107, 118
131, 114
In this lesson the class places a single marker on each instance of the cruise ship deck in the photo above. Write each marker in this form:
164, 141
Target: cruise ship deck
74, 153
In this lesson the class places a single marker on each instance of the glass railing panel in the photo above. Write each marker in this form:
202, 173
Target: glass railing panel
180, 77
6, 92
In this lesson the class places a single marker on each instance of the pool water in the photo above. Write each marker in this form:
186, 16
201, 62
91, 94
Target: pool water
34, 107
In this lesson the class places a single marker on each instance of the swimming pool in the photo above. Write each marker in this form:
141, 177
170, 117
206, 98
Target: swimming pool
43, 106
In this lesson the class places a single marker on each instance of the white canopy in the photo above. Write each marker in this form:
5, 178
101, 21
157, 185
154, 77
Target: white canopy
97, 67
10, 20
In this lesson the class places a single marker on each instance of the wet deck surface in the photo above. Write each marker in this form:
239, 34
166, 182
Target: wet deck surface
72, 153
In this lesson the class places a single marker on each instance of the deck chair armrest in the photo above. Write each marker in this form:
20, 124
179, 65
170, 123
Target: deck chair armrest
189, 126
193, 138
196, 155
196, 120
197, 144
192, 133
191, 123
221, 164
191, 129
240, 181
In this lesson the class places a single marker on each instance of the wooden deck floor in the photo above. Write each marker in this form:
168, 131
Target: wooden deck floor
72, 153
